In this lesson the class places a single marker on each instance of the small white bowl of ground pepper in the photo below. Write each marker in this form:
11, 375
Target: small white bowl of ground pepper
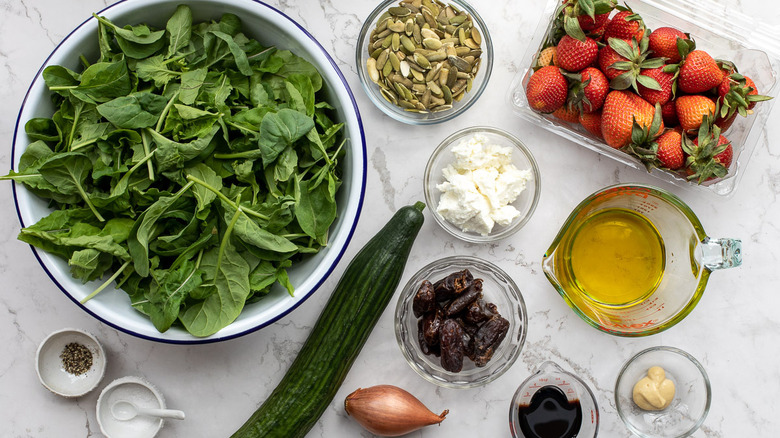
70, 362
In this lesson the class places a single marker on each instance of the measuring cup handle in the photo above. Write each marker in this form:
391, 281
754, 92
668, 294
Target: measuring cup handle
721, 253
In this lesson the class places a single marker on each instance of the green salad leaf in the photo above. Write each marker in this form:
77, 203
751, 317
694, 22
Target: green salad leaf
190, 164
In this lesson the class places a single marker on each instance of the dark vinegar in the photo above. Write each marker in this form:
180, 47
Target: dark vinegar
550, 415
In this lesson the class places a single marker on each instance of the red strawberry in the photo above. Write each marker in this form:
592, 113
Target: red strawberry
574, 55
691, 110
699, 73
547, 89
663, 43
623, 61
598, 33
592, 123
595, 90
664, 80
669, 113
588, 24
625, 25
670, 153
567, 113
709, 155
621, 109
607, 57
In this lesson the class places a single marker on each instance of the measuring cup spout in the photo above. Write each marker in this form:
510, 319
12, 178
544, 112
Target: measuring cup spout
721, 253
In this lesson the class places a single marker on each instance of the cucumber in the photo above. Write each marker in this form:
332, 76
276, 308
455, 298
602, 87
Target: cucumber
339, 334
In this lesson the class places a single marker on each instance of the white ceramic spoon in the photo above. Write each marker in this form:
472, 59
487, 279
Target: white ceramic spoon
124, 410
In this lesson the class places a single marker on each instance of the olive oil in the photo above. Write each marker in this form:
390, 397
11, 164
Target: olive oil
616, 257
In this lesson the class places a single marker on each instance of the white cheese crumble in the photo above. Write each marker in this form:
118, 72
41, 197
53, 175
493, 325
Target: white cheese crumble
480, 185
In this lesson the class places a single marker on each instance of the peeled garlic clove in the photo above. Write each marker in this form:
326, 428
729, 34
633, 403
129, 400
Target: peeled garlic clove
387, 410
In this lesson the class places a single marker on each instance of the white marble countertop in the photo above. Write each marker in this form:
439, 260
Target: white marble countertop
733, 332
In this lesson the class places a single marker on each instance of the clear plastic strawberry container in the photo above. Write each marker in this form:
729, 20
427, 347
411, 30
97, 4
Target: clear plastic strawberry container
749, 43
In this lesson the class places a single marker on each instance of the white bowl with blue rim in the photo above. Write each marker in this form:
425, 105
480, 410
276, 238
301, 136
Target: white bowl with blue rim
271, 28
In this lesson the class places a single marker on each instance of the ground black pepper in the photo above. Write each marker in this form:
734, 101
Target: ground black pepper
76, 358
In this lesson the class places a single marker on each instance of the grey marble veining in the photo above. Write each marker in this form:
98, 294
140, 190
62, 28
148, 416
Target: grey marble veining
733, 331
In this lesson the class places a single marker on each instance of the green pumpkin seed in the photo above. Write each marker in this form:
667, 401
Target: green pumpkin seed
389, 96
382, 59
427, 33
387, 69
441, 108
387, 41
458, 19
432, 43
445, 91
399, 11
407, 43
394, 61
439, 55
476, 36
397, 26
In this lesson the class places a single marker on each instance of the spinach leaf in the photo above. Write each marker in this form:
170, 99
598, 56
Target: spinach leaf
281, 129
179, 28
137, 110
67, 173
171, 288
231, 283
315, 211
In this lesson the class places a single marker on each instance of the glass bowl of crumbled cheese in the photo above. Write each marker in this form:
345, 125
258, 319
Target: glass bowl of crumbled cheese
482, 184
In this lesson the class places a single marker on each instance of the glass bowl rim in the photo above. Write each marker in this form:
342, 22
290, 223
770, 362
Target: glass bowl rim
518, 146
411, 118
513, 294
673, 350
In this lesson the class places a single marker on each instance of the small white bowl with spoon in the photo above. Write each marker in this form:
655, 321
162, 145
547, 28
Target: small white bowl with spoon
131, 407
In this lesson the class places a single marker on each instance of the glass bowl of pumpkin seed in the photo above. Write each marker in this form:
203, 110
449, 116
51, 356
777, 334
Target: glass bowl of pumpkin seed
424, 61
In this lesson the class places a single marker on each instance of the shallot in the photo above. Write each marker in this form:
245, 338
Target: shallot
387, 410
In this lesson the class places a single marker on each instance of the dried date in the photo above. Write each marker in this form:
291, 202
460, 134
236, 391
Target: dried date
452, 348
462, 301
452, 285
424, 346
431, 323
425, 299
487, 339
479, 311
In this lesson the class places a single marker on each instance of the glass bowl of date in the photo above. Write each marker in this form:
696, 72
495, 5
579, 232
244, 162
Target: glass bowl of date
482, 184
745, 52
684, 414
183, 209
424, 61
460, 322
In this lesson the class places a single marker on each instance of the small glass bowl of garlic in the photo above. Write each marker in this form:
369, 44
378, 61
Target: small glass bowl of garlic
482, 184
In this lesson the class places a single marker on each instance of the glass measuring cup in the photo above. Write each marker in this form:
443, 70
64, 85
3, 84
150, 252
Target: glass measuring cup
656, 277
551, 379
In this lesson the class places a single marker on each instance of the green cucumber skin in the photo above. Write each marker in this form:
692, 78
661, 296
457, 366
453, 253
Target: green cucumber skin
339, 334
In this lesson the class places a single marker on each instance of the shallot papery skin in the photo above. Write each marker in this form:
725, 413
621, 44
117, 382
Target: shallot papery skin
387, 410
